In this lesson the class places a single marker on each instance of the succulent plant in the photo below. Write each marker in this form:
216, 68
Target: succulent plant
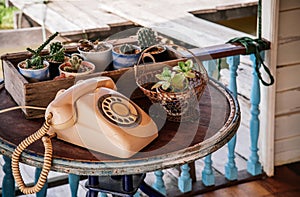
146, 37
177, 79
127, 49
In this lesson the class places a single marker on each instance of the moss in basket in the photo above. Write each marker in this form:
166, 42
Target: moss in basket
177, 79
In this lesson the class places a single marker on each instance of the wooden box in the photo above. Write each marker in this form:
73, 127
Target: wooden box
40, 94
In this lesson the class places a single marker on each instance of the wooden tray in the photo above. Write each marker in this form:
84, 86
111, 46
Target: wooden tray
41, 93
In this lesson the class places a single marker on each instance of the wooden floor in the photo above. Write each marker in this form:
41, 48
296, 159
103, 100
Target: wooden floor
285, 183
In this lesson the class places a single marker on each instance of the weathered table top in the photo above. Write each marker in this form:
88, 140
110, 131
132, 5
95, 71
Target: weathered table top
178, 143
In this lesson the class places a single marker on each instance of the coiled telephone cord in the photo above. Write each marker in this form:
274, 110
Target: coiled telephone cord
41, 133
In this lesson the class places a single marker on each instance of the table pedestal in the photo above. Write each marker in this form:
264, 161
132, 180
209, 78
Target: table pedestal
125, 185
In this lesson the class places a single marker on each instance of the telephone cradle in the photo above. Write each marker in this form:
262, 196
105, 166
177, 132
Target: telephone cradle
90, 114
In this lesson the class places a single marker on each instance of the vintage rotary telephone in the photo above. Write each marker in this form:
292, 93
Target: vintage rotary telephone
89, 114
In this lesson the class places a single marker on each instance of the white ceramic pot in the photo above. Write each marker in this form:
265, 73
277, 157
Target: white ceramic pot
101, 59
91, 69
34, 74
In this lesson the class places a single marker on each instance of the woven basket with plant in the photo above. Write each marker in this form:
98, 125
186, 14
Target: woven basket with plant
178, 89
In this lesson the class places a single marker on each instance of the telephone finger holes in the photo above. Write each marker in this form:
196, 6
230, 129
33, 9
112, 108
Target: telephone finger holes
118, 110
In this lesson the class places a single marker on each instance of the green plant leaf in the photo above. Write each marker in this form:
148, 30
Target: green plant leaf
178, 81
190, 74
157, 85
189, 64
166, 85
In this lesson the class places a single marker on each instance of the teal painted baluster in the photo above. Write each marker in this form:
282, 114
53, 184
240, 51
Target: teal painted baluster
159, 184
208, 176
253, 165
231, 172
211, 68
8, 184
101, 194
43, 192
74, 183
185, 181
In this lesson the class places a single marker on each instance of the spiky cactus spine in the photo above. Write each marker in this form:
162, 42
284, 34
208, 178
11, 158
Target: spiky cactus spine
146, 37
127, 49
57, 52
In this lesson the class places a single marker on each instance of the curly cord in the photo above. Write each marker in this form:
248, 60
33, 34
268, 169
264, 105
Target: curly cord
47, 159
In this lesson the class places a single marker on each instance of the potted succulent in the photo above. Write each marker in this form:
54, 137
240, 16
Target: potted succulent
177, 89
125, 55
75, 66
99, 53
36, 68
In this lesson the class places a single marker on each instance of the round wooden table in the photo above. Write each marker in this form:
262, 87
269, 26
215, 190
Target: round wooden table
177, 143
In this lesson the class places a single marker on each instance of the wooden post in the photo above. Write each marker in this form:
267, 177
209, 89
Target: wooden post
208, 176
185, 181
231, 172
8, 184
74, 182
253, 165
43, 192
159, 184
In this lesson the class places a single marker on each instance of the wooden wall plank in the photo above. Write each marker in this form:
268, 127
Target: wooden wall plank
289, 28
289, 4
288, 77
287, 126
288, 102
287, 151
288, 52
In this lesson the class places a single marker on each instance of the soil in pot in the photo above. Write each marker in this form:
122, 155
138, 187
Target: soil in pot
158, 52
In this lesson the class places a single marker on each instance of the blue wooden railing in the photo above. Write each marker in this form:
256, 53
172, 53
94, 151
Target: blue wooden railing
232, 54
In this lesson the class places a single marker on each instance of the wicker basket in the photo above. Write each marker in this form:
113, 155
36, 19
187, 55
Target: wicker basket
180, 106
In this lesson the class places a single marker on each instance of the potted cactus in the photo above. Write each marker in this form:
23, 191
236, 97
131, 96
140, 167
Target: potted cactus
147, 40
75, 66
99, 53
125, 55
55, 58
36, 68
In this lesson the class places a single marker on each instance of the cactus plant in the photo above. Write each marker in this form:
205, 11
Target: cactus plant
56, 52
127, 49
36, 61
73, 64
146, 38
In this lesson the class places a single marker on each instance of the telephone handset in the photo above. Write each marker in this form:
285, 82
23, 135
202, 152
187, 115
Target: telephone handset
90, 114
